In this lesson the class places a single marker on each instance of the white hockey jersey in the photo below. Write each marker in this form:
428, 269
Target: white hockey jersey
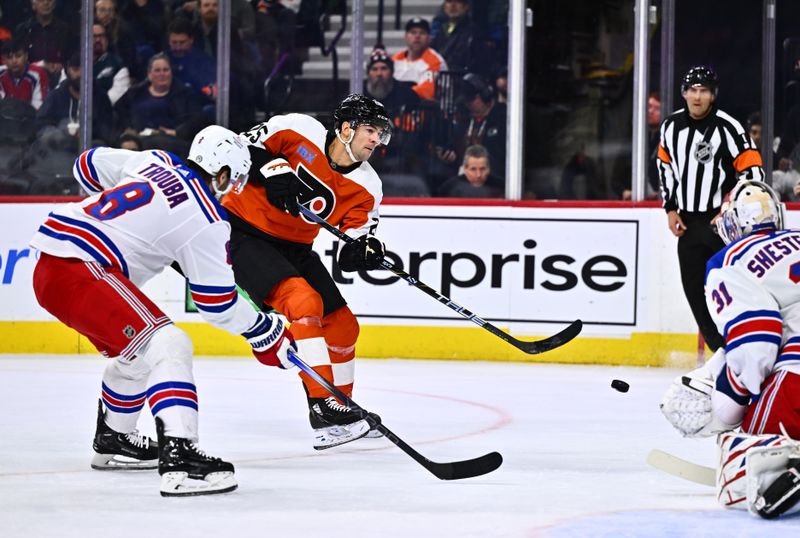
753, 295
149, 210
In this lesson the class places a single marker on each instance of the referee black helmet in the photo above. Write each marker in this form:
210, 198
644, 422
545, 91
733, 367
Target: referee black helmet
700, 75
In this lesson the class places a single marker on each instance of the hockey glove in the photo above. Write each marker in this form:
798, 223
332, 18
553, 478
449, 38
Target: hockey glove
270, 340
282, 185
365, 253
687, 405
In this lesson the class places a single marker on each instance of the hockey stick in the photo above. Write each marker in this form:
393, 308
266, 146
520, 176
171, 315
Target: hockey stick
455, 470
532, 348
681, 468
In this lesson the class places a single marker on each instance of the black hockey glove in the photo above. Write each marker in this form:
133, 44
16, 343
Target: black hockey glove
366, 252
282, 185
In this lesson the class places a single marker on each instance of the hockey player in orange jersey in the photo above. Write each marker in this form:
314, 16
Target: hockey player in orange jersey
296, 159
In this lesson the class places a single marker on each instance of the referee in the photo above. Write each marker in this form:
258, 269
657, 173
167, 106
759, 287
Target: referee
703, 152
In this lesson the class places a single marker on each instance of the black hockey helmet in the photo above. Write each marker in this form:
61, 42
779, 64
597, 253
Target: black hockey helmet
358, 110
700, 75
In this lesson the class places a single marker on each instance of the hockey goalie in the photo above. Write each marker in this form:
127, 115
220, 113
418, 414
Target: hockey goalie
748, 394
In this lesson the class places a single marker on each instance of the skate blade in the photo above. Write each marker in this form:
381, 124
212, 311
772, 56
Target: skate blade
178, 484
332, 436
116, 462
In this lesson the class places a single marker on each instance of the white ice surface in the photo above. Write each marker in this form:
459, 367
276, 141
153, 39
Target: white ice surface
574, 452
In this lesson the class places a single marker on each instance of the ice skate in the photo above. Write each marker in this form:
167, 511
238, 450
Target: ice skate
185, 470
116, 451
334, 424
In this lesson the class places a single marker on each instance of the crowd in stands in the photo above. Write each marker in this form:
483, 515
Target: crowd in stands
154, 75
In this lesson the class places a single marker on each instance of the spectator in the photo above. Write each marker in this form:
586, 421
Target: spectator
47, 161
242, 19
105, 13
246, 74
474, 181
164, 111
460, 41
19, 79
419, 63
382, 85
110, 75
50, 40
190, 65
402, 155
130, 142
484, 122
274, 33
621, 175
142, 25
58, 119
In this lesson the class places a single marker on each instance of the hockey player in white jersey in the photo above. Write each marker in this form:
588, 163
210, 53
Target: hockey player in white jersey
150, 210
749, 392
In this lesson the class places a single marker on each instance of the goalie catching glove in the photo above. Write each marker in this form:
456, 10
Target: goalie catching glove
282, 184
365, 253
271, 340
687, 405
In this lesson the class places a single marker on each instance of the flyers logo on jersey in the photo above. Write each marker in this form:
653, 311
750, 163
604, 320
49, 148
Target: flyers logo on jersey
315, 195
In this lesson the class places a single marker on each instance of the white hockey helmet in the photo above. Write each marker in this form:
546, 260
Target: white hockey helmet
753, 207
216, 147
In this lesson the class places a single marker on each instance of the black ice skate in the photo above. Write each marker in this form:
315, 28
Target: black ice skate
185, 470
116, 451
334, 424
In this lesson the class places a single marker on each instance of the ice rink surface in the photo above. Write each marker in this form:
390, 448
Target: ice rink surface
574, 452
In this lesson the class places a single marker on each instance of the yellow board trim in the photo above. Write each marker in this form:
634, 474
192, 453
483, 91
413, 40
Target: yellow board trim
458, 343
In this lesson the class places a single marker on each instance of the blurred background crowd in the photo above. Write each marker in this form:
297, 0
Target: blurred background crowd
440, 67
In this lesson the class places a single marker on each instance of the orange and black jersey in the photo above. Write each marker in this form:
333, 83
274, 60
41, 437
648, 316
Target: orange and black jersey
699, 161
346, 197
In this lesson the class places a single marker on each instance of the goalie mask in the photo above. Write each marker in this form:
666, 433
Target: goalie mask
216, 147
753, 207
357, 109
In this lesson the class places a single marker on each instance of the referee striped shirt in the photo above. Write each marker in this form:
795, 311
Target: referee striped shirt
700, 161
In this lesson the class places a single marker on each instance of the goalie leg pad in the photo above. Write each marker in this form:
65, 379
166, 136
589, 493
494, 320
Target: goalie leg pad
748, 465
773, 479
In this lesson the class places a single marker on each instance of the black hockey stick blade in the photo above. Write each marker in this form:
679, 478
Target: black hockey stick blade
455, 470
552, 342
532, 348
467, 468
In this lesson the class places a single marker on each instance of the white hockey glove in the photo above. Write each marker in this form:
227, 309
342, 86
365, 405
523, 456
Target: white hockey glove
271, 340
687, 405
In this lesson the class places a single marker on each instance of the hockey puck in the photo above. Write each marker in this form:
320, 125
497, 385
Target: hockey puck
620, 385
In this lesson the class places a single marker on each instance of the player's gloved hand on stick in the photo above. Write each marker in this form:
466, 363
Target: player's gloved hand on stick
271, 340
364, 253
282, 185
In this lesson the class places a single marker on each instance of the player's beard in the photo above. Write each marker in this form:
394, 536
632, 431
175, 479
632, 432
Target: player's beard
380, 87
